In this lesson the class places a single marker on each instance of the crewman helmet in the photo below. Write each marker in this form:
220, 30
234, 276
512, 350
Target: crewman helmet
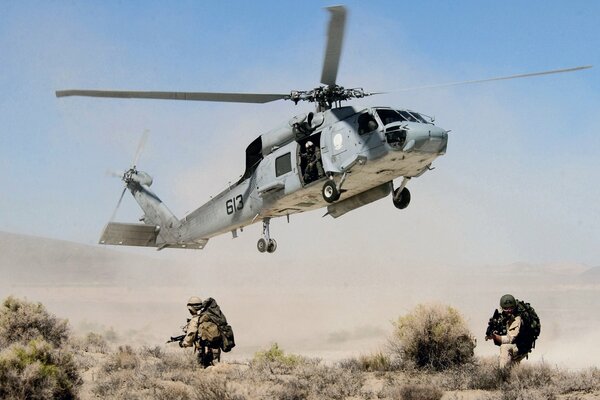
308, 144
508, 301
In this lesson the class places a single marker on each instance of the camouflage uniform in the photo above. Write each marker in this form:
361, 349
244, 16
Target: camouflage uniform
191, 331
509, 353
199, 331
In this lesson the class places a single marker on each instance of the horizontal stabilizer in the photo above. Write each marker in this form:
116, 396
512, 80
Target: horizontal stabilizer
121, 234
129, 234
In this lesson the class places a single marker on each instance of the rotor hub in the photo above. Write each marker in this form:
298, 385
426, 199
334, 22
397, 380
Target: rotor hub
326, 96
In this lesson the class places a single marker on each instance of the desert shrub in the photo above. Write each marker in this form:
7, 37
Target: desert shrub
90, 343
432, 336
130, 373
320, 382
124, 358
417, 392
532, 375
276, 360
37, 371
586, 381
377, 362
22, 321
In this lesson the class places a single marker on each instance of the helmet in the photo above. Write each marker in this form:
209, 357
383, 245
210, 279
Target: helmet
194, 300
194, 304
508, 301
308, 144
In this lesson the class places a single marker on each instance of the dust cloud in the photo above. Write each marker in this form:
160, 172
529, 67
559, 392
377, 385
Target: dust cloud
318, 308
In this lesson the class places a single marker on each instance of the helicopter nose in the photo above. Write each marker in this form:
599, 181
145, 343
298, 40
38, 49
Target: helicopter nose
427, 139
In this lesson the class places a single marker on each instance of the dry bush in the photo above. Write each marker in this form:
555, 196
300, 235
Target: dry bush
585, 381
417, 392
316, 381
124, 358
481, 374
532, 376
276, 360
90, 343
377, 362
37, 371
22, 321
432, 336
153, 373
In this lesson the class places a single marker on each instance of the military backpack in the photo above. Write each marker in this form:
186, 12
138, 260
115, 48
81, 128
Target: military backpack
213, 326
530, 327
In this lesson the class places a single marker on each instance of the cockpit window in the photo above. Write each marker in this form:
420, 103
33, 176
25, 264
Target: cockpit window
418, 117
366, 123
389, 116
408, 116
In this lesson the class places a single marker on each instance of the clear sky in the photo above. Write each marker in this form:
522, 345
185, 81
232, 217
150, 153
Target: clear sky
519, 181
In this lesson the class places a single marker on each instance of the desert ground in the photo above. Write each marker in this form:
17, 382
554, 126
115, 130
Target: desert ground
322, 315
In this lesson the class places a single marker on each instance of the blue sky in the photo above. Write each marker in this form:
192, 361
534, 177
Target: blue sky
519, 181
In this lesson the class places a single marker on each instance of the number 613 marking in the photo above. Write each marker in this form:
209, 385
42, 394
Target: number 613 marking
235, 204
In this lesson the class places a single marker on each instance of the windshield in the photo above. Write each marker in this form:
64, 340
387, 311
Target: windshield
389, 116
418, 117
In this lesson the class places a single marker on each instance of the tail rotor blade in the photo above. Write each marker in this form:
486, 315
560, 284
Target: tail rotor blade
112, 217
335, 38
140, 147
114, 174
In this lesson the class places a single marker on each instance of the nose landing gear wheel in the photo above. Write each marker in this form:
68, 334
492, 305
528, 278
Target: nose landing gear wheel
330, 192
401, 198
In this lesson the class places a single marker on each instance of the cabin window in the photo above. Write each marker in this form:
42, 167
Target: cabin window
366, 123
283, 164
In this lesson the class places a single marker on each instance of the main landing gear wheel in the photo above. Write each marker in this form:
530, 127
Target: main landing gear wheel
272, 246
330, 192
401, 198
261, 245
266, 243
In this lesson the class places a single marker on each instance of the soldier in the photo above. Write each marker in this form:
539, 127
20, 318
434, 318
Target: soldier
313, 162
509, 353
196, 331
194, 305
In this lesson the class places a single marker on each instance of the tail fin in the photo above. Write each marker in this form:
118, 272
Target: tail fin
160, 228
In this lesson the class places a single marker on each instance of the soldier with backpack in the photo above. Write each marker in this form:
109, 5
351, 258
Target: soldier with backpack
207, 331
515, 328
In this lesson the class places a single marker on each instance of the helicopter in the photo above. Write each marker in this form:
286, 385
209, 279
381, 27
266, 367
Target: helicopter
338, 156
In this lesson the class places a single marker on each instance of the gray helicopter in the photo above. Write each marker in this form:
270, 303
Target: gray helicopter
339, 157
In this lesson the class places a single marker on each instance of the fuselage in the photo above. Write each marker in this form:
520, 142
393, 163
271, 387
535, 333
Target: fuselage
368, 147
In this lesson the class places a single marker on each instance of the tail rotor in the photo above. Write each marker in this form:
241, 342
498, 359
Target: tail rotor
132, 174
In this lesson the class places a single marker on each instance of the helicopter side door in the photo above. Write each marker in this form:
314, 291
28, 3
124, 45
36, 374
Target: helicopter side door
277, 172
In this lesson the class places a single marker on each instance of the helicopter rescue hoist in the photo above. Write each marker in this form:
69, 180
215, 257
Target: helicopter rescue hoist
339, 157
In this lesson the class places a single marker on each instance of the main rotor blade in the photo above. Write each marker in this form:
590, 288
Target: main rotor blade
335, 38
197, 96
140, 147
499, 78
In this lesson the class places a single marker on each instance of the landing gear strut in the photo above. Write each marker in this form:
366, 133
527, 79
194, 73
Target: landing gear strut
401, 196
266, 243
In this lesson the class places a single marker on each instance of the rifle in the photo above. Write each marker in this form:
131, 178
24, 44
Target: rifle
176, 338
496, 324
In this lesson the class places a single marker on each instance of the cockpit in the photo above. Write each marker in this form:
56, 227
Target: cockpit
388, 116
